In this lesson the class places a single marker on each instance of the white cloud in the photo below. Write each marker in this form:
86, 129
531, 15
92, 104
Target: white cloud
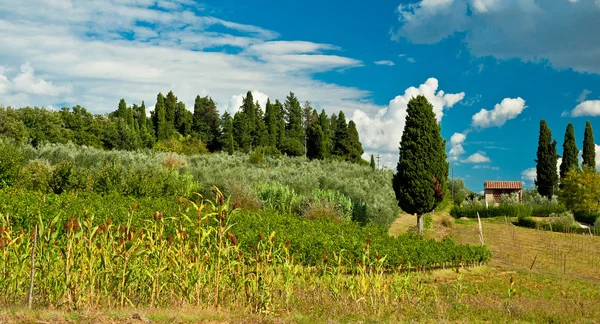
236, 101
83, 53
523, 29
506, 110
529, 175
587, 108
584, 94
456, 146
382, 131
27, 82
478, 157
489, 167
411, 60
385, 62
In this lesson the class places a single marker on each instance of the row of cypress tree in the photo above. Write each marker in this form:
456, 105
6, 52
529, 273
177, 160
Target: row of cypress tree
286, 127
547, 175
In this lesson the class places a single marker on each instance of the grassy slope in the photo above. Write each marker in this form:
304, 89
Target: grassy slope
544, 294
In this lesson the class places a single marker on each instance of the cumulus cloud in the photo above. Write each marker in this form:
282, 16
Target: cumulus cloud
385, 62
478, 157
93, 54
236, 101
587, 108
506, 110
456, 146
382, 131
528, 174
27, 82
411, 60
524, 29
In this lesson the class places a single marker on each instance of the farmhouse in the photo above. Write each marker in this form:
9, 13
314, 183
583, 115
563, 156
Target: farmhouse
494, 189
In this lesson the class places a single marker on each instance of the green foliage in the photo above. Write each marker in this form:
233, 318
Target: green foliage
570, 152
11, 125
422, 168
11, 161
294, 131
502, 210
372, 163
546, 173
340, 142
589, 147
280, 198
160, 122
181, 145
581, 190
314, 137
457, 189
326, 139
257, 157
588, 217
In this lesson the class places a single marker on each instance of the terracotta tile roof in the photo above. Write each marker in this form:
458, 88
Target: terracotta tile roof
503, 185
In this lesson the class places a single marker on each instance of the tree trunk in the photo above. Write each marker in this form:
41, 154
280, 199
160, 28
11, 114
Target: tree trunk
420, 222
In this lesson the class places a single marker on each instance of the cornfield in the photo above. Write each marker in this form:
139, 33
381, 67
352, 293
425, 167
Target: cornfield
81, 264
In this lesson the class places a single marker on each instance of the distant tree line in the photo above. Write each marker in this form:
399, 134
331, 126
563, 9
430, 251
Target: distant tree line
287, 128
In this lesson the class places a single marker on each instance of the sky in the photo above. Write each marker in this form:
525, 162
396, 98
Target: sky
491, 68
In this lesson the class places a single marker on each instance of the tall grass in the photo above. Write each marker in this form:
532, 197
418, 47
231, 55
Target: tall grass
82, 263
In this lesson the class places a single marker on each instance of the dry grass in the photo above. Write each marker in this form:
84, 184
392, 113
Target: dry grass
512, 247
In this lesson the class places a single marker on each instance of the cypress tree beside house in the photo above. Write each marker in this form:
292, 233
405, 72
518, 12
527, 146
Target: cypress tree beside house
570, 152
546, 173
589, 147
422, 168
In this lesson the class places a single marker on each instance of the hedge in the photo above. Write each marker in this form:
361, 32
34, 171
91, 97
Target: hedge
586, 217
507, 210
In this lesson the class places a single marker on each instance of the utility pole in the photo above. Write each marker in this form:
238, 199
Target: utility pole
378, 157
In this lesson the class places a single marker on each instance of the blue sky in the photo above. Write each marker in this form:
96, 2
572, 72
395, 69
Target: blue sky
491, 68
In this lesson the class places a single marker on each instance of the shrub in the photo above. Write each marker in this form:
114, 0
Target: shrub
587, 217
181, 145
502, 210
11, 161
256, 157
561, 223
526, 221
36, 175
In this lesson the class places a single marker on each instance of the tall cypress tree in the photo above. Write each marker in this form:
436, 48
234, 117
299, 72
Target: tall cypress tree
314, 136
332, 128
355, 149
294, 132
241, 132
326, 142
227, 130
206, 123
122, 110
141, 116
170, 110
546, 173
589, 147
160, 121
340, 144
183, 119
372, 164
261, 135
570, 152
271, 124
422, 168
280, 115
